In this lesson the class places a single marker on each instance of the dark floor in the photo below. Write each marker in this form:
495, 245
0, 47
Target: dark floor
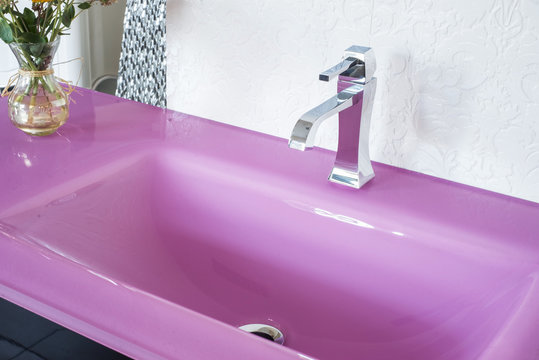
27, 336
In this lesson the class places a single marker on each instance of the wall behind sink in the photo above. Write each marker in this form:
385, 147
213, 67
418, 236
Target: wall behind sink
458, 90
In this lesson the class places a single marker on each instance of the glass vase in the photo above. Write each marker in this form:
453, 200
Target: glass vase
37, 105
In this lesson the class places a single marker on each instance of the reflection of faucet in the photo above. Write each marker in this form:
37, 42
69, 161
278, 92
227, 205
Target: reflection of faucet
356, 89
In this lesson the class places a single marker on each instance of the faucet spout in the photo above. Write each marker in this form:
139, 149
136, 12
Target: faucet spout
305, 130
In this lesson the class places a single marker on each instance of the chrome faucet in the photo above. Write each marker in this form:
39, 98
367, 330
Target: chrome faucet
353, 102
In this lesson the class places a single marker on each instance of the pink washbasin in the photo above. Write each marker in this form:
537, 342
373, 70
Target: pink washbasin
161, 238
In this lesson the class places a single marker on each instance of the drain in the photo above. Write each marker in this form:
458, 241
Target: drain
265, 331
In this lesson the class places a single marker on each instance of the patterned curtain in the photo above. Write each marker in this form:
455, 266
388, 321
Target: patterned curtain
143, 66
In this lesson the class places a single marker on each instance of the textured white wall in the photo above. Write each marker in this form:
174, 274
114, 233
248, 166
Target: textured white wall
458, 90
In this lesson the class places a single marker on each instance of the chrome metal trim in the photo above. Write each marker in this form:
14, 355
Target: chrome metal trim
356, 89
102, 79
269, 330
302, 137
338, 69
365, 55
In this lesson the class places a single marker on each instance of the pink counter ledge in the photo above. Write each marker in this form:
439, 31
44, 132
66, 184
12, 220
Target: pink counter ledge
157, 234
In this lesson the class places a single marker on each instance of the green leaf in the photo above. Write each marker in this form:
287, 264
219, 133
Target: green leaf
36, 43
37, 49
68, 15
85, 5
29, 37
29, 19
5, 32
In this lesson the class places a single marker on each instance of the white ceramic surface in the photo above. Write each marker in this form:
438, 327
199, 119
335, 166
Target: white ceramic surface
458, 94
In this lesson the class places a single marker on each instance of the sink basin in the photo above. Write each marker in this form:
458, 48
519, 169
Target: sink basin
161, 244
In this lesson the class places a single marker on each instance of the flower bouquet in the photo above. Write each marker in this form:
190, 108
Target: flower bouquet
38, 104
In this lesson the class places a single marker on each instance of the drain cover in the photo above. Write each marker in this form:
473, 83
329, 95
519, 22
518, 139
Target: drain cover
265, 331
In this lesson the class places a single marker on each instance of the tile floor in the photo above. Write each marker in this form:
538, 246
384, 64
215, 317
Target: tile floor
27, 336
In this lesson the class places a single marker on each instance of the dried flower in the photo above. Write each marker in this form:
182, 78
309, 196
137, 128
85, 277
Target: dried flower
6, 3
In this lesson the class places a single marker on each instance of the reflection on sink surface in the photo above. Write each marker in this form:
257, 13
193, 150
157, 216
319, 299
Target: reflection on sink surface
341, 281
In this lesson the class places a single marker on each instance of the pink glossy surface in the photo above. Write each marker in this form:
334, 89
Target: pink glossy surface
157, 233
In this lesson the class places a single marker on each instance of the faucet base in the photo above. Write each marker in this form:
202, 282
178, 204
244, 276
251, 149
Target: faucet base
349, 178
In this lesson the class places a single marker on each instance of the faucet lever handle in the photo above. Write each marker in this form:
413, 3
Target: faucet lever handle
338, 69
354, 55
